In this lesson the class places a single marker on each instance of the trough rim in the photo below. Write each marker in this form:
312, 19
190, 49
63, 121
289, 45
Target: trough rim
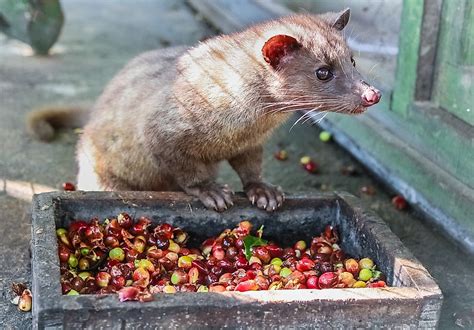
422, 288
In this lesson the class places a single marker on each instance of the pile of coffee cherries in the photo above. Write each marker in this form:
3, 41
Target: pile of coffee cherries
138, 259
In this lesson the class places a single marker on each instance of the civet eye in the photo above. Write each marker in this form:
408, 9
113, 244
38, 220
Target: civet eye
324, 73
353, 62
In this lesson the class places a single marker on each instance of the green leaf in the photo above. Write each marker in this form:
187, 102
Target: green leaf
251, 241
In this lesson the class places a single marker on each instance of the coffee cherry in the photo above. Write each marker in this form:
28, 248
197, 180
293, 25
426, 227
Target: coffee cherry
203, 288
366, 263
139, 243
300, 245
274, 250
251, 274
399, 202
377, 284
117, 254
312, 282
305, 264
244, 228
200, 265
131, 255
288, 253
262, 282
169, 289
296, 277
135, 259
84, 275
281, 155
83, 264
72, 261
262, 253
145, 264
194, 275
85, 251
276, 261
325, 136
63, 253
68, 186
232, 253
217, 288
226, 278
249, 285
162, 242
359, 284
179, 277
179, 236
185, 262
111, 241
275, 285
173, 247
218, 253
211, 278
352, 266
254, 260
62, 235
324, 249
206, 246
311, 167
141, 226
226, 265
77, 283
285, 272
365, 274
188, 288
128, 293
124, 220
326, 267
347, 279
328, 280
164, 229
305, 160
241, 262
154, 253
102, 279
141, 277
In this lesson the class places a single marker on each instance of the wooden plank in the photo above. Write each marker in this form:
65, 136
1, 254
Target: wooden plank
467, 41
454, 90
427, 52
230, 16
447, 202
407, 63
436, 134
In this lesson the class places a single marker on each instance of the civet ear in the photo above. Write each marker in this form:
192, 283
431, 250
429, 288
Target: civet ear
277, 47
342, 18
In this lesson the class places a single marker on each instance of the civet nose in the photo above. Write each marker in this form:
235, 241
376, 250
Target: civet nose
370, 96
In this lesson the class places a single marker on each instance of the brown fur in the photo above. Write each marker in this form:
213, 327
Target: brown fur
170, 116
42, 123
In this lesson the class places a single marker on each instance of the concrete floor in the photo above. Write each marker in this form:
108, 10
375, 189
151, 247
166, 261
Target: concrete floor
97, 40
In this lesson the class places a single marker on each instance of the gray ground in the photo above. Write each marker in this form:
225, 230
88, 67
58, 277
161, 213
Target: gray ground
97, 40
